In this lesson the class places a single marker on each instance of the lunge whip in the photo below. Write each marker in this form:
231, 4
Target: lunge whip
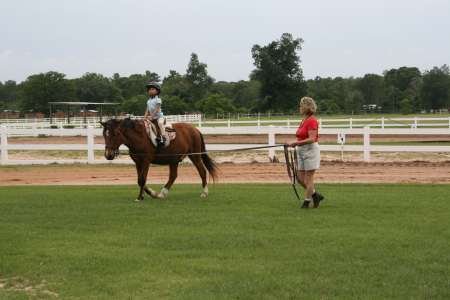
292, 167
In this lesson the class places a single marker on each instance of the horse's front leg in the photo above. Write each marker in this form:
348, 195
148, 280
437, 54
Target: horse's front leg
142, 172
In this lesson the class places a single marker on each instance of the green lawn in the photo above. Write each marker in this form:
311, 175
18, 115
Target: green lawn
243, 241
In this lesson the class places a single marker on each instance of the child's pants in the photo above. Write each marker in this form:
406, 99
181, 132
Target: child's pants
161, 122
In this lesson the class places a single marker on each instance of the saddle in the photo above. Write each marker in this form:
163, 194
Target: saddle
153, 132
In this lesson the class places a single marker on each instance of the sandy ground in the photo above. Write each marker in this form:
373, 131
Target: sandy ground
385, 168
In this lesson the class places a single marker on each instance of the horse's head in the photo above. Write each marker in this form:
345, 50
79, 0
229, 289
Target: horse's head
113, 138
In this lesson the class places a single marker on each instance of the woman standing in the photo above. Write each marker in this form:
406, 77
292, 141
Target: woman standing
308, 151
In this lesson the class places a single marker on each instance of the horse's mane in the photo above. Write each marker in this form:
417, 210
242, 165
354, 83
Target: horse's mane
130, 124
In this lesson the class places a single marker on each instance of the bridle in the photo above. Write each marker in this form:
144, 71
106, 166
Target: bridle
116, 142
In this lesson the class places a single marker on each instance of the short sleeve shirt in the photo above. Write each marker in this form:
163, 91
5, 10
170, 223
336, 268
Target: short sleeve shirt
151, 103
304, 128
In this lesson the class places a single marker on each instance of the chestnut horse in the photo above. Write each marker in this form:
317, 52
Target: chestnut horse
188, 140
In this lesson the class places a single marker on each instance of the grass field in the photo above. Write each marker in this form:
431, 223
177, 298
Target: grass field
243, 241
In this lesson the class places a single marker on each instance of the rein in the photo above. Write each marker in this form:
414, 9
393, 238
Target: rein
206, 152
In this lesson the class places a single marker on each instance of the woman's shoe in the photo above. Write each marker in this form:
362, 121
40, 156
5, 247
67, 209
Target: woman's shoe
305, 205
316, 199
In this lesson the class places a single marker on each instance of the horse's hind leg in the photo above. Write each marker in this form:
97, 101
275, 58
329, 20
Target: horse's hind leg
172, 176
197, 161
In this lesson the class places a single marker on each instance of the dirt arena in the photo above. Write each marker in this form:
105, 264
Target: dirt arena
384, 167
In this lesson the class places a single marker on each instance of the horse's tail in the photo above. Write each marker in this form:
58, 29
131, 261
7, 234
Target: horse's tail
210, 164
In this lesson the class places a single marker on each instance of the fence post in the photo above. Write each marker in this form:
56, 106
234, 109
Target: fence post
351, 123
90, 137
271, 141
4, 143
382, 122
366, 143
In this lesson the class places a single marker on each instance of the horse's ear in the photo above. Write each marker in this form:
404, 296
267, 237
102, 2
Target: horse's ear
103, 124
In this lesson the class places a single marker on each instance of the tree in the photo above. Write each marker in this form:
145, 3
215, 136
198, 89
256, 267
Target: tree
373, 88
328, 107
401, 78
398, 83
10, 95
435, 93
136, 105
172, 74
213, 104
198, 80
175, 86
279, 74
337, 90
318, 89
222, 88
135, 84
405, 107
93, 87
413, 92
174, 105
245, 94
42, 88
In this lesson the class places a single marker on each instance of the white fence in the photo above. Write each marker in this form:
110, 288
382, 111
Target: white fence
350, 123
197, 120
90, 132
79, 122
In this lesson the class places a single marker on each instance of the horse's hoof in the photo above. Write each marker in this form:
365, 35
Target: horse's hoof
138, 200
163, 193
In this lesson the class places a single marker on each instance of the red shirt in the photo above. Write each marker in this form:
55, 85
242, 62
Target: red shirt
304, 128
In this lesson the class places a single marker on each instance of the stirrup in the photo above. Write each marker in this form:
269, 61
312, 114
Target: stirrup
161, 140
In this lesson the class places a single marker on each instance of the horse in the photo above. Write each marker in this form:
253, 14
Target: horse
188, 142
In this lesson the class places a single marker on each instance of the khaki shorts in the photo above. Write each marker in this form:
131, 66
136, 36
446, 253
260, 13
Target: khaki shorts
308, 157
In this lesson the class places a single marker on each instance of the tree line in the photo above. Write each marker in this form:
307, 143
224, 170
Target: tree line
275, 85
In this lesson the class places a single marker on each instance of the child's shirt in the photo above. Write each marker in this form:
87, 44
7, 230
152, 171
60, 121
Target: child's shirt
151, 103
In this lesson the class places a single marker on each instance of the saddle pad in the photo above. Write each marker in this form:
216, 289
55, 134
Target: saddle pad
170, 132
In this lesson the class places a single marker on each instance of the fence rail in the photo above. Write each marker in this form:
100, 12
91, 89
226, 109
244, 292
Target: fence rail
196, 120
90, 132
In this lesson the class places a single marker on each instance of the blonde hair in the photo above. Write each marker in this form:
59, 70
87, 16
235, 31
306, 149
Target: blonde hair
309, 105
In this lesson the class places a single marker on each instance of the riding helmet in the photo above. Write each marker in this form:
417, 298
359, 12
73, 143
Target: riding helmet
154, 85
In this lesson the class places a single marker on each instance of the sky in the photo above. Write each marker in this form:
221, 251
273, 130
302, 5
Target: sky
342, 38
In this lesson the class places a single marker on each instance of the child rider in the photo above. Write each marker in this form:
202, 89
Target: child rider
154, 112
